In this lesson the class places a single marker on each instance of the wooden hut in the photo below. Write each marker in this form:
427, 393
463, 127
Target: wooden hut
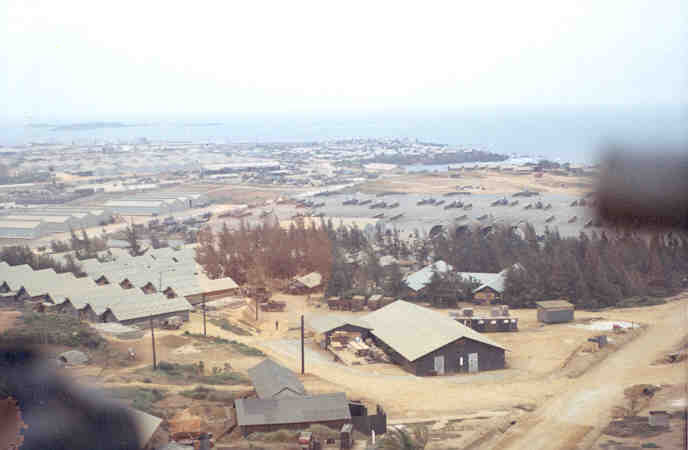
554, 311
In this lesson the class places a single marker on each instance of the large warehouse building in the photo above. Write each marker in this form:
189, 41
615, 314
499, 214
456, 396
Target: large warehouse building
32, 223
28, 229
422, 341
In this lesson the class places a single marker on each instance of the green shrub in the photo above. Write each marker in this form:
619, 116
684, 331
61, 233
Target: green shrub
246, 349
50, 328
650, 445
274, 436
227, 325
177, 370
213, 395
225, 378
634, 302
141, 398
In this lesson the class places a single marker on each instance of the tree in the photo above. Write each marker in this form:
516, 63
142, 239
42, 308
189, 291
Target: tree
133, 240
393, 285
59, 246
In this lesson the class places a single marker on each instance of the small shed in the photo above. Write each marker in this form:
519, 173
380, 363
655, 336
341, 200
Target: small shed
305, 284
659, 419
554, 311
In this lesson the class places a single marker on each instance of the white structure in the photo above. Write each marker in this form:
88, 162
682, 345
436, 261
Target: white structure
15, 229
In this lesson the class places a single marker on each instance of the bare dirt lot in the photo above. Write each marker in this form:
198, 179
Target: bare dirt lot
8, 317
487, 181
550, 407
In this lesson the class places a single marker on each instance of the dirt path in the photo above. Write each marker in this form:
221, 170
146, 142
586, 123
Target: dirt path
576, 413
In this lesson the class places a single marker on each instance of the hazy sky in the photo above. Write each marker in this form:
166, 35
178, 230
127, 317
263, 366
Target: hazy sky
118, 59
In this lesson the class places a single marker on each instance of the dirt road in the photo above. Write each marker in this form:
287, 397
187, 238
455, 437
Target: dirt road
574, 416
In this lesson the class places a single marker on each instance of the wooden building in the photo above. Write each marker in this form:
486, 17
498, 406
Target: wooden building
425, 342
486, 294
554, 311
305, 284
498, 320
297, 413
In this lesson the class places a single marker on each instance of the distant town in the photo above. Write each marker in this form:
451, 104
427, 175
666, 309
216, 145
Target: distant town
351, 293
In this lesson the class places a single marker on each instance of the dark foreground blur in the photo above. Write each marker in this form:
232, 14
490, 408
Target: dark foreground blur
58, 414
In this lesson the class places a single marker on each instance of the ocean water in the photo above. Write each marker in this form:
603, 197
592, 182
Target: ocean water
566, 134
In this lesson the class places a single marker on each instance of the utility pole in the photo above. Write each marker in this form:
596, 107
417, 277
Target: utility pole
256, 310
204, 331
303, 359
155, 363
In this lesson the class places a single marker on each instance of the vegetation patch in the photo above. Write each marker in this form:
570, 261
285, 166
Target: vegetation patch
229, 326
142, 399
246, 349
193, 373
57, 329
633, 302
239, 347
209, 394
319, 431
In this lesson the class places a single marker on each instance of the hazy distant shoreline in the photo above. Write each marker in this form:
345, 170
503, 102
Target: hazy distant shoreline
575, 135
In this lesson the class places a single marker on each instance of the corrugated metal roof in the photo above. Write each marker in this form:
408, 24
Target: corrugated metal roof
325, 323
414, 331
312, 280
318, 408
270, 379
45, 218
492, 280
26, 224
128, 310
418, 280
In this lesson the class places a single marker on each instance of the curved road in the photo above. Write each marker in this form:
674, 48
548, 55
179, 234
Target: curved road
574, 416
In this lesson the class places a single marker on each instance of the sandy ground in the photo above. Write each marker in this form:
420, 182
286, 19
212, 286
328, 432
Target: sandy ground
7, 319
568, 411
531, 377
576, 410
491, 181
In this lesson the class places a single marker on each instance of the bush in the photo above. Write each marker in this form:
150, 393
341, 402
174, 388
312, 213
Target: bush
225, 378
227, 325
141, 398
238, 346
58, 329
177, 370
633, 302
274, 436
213, 395
246, 349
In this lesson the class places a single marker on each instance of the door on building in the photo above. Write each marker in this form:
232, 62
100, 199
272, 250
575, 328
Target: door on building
472, 362
463, 364
439, 365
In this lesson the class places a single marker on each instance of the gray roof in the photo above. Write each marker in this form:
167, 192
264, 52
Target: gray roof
128, 310
318, 408
146, 425
325, 323
26, 224
418, 280
271, 379
492, 280
313, 279
554, 304
414, 331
